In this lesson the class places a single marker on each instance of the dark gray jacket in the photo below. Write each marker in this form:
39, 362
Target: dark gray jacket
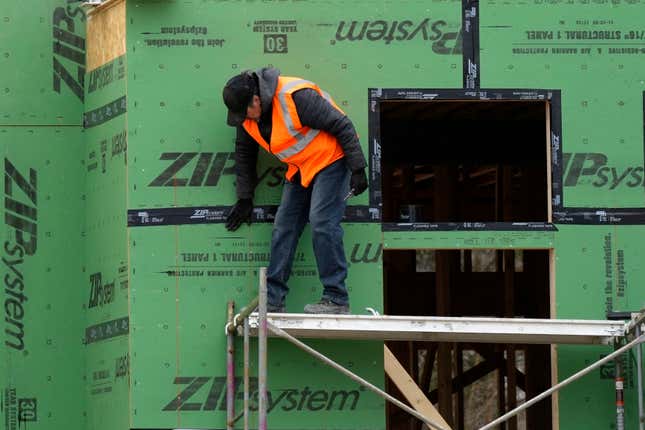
313, 110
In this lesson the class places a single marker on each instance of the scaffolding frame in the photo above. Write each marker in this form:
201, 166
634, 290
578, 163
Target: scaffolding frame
254, 320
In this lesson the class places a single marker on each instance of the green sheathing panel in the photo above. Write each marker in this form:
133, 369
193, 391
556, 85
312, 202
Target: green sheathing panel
469, 240
42, 58
42, 361
106, 262
182, 278
180, 54
598, 269
105, 93
42, 55
593, 52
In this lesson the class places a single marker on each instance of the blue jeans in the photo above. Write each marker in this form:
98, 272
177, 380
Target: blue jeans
323, 206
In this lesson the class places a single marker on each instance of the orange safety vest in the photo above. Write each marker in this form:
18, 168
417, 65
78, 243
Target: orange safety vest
304, 149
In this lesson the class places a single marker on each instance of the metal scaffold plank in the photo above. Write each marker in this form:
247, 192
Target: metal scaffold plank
445, 329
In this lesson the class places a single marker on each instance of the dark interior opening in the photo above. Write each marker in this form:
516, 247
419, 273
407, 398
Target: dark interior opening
457, 161
471, 383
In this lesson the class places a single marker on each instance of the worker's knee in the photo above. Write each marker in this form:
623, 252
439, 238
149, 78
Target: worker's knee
322, 225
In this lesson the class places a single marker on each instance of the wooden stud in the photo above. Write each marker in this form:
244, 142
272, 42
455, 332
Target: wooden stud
445, 187
470, 376
410, 390
426, 375
459, 372
555, 408
501, 389
511, 385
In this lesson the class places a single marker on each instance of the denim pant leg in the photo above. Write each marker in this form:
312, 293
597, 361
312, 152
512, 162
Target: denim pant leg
329, 189
287, 228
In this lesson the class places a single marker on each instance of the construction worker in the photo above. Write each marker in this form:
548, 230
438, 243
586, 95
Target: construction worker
301, 125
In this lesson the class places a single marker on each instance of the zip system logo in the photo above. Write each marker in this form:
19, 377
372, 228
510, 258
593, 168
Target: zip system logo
194, 397
100, 294
443, 42
68, 47
196, 169
21, 218
594, 168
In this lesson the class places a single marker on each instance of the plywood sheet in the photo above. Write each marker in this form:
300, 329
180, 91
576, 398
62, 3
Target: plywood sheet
105, 33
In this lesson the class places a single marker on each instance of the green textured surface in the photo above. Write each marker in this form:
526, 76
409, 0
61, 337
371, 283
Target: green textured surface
602, 91
177, 303
591, 401
469, 239
33, 90
106, 274
46, 366
182, 277
189, 118
105, 84
188, 115
602, 118
611, 279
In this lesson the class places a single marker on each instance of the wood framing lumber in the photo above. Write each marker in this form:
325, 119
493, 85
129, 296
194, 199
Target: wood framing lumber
409, 388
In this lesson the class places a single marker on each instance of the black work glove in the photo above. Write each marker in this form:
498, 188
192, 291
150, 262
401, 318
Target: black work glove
240, 213
358, 182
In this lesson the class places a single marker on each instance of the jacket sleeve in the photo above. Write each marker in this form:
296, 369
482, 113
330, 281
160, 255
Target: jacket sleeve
316, 112
246, 157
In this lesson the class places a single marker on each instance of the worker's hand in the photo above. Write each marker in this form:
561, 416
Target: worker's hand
240, 213
358, 181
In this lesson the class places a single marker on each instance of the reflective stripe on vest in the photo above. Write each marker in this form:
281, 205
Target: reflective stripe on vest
302, 139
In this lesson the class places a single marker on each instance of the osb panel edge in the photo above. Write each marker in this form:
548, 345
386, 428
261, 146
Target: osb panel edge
105, 33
